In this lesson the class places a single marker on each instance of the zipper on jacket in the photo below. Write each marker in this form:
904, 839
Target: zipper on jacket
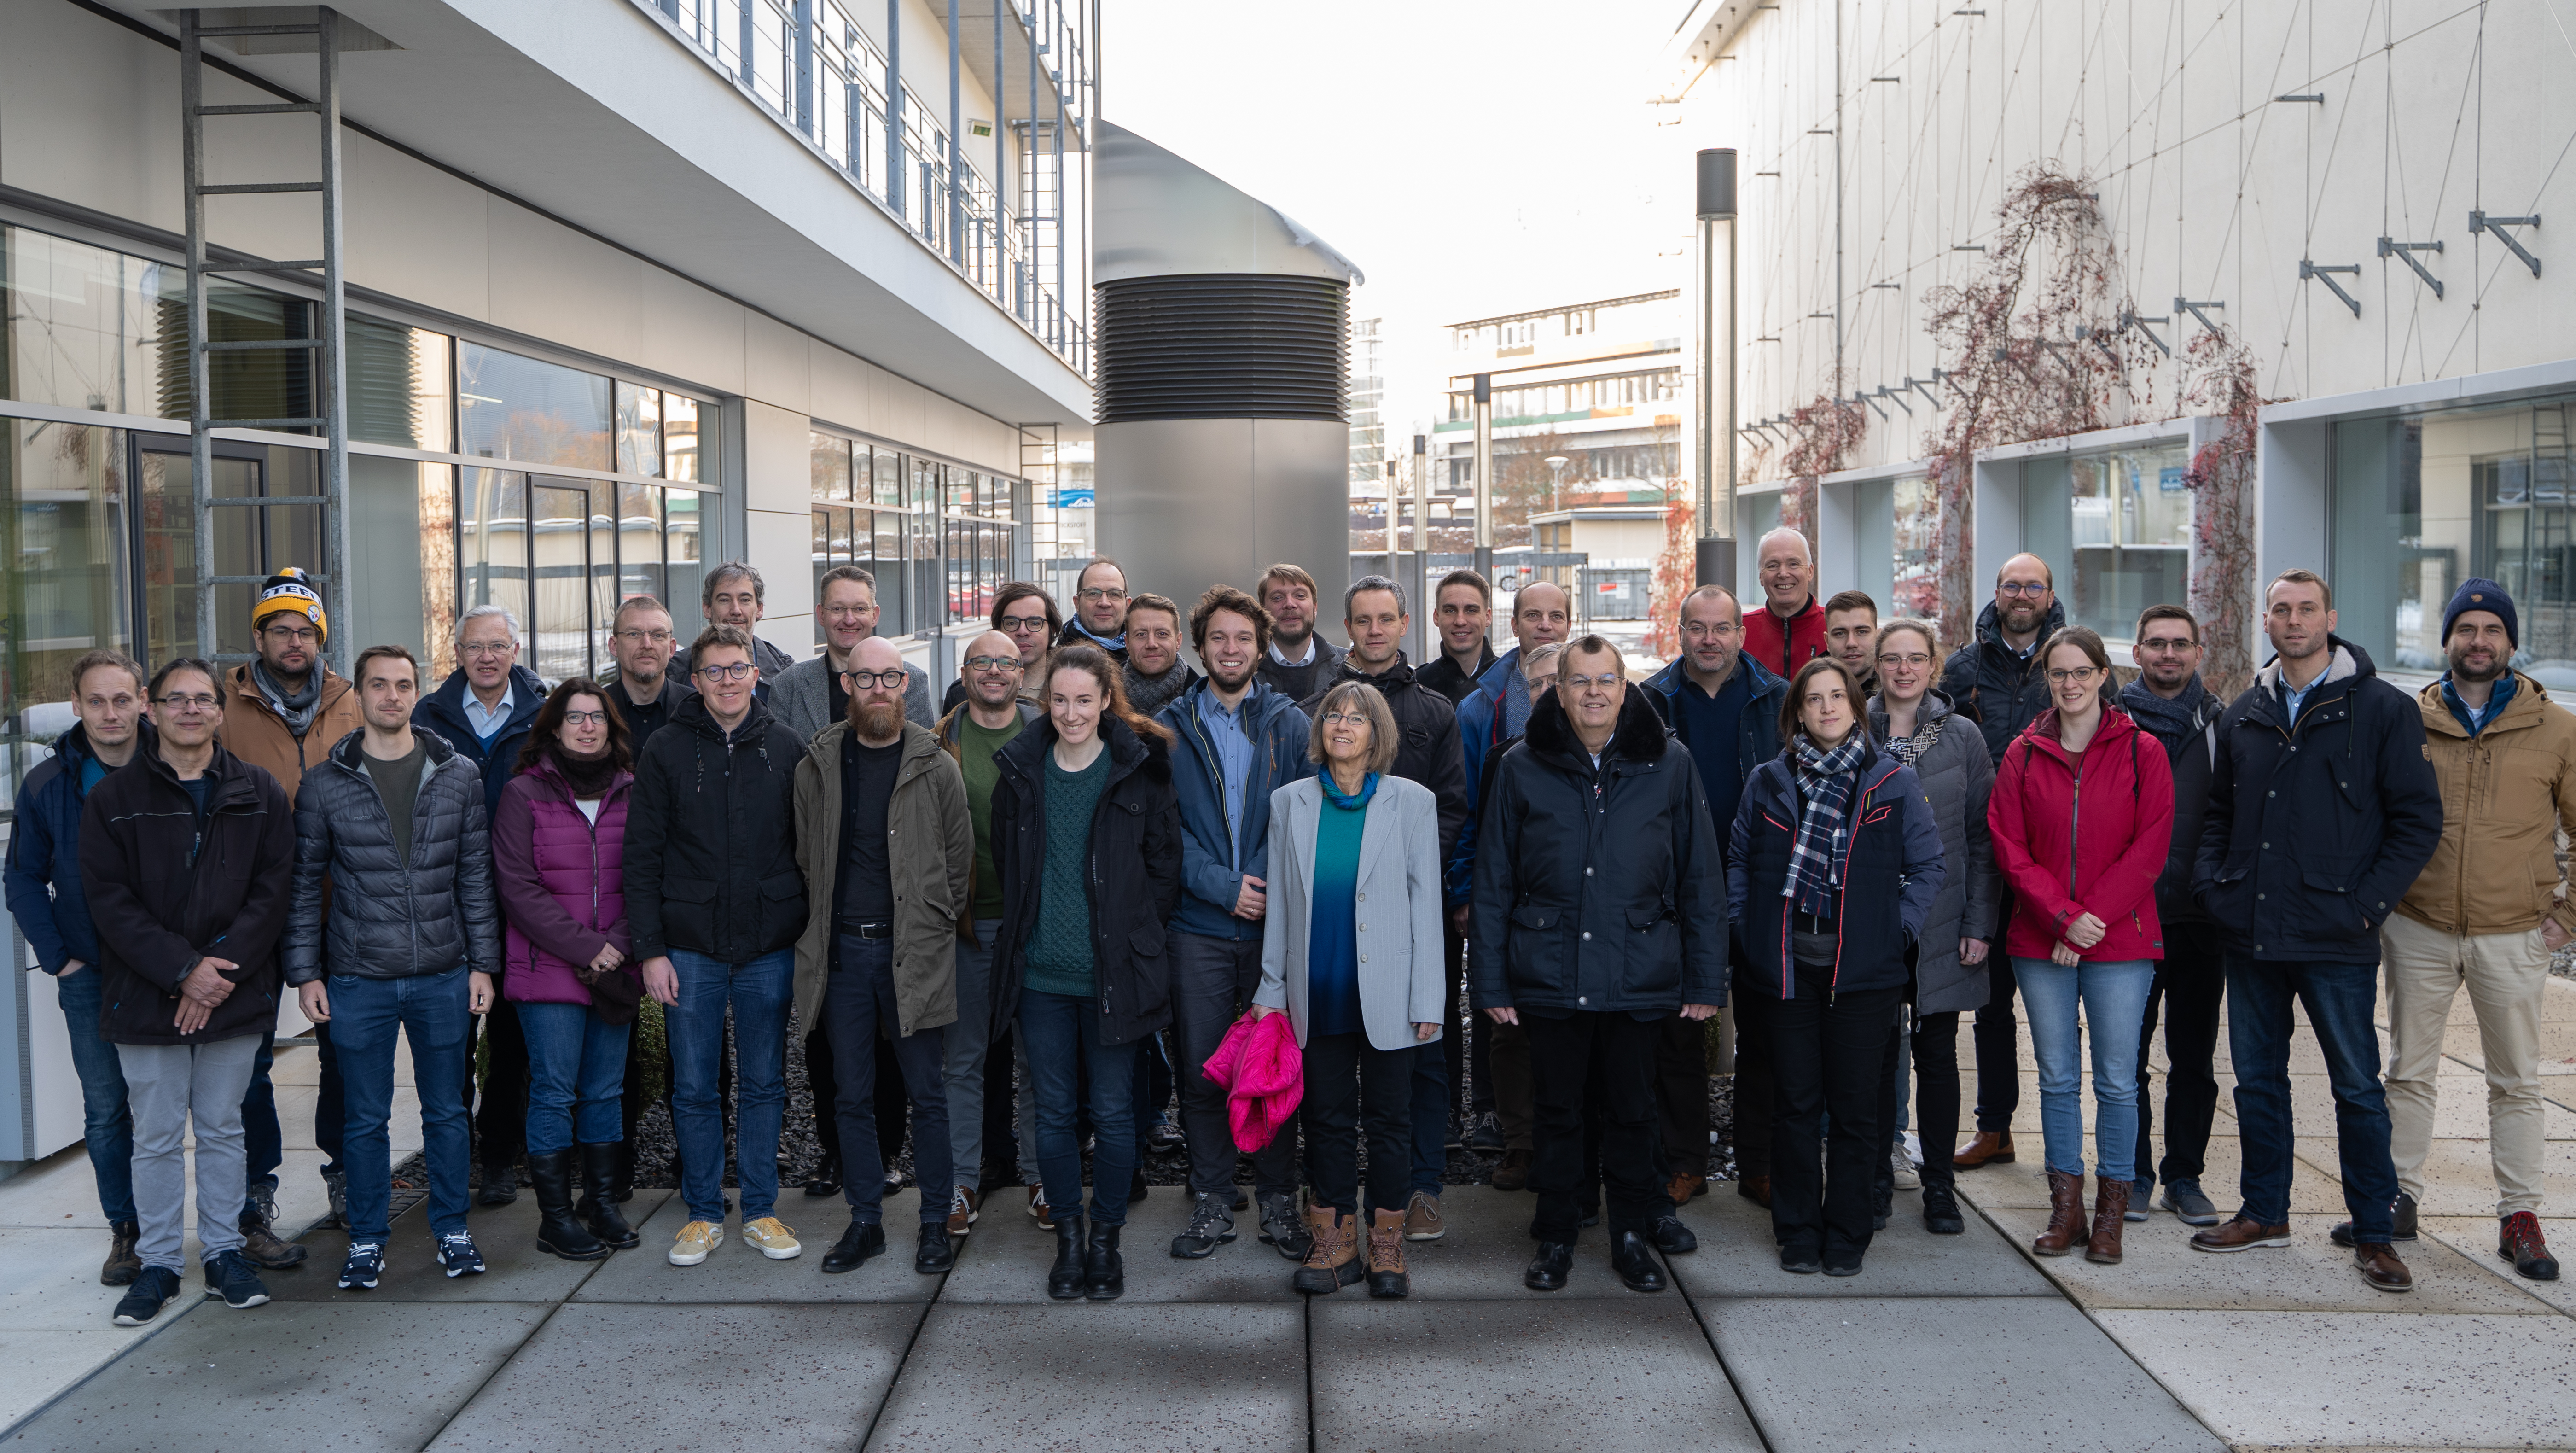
2074, 825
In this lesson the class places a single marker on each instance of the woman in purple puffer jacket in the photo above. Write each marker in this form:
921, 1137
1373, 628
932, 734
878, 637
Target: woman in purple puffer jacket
558, 849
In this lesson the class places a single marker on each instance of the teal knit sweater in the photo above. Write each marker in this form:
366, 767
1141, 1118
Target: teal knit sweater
1059, 957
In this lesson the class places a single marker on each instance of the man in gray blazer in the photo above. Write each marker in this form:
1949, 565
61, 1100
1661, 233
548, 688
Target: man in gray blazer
810, 695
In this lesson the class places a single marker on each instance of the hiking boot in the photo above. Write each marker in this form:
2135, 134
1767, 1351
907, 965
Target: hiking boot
1211, 1226
1388, 1231
1422, 1219
152, 1290
122, 1265
1332, 1253
1281, 1228
1512, 1174
2110, 1218
261, 1246
2066, 1229
2519, 1241
2401, 1223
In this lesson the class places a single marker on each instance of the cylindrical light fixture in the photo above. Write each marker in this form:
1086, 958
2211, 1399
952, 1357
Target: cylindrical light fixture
1714, 468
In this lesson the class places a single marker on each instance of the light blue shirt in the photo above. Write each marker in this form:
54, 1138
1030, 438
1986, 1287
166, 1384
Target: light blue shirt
486, 722
1231, 738
2294, 697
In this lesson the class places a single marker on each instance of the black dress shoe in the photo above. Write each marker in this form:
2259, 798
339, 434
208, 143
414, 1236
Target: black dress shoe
863, 1240
1547, 1270
1104, 1272
1672, 1237
1137, 1190
500, 1185
826, 1179
937, 1253
1638, 1270
1592, 1217
1941, 1212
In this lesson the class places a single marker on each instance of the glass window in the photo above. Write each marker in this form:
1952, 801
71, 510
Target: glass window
398, 384
438, 572
831, 467
492, 540
925, 485
888, 468
639, 542
80, 326
402, 540
961, 491
63, 532
1915, 587
568, 632
680, 437
639, 430
259, 383
2129, 519
517, 408
684, 556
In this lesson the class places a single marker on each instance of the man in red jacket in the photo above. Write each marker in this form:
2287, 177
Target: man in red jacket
1789, 630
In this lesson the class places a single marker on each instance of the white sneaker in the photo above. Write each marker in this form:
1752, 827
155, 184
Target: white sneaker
773, 1238
1906, 1178
694, 1242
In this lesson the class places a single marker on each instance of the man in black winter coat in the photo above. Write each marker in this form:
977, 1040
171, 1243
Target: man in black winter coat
715, 904
392, 821
1375, 618
184, 854
1600, 911
2322, 811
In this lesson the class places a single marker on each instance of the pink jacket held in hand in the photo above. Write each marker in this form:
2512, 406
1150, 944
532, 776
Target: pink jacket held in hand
1263, 1075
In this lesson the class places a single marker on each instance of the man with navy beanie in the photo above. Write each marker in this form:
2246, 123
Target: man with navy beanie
2486, 913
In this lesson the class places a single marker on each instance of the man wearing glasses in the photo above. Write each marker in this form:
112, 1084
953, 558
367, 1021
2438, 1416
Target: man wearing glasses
809, 696
735, 595
1100, 608
1027, 615
646, 689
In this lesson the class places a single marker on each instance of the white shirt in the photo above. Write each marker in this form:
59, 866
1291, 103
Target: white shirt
486, 721
1300, 661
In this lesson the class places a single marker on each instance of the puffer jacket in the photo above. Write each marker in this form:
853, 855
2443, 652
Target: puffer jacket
2188, 728
43, 874
2316, 829
1213, 869
2076, 835
562, 882
711, 839
1597, 889
254, 732
930, 861
1993, 687
167, 888
443, 712
1133, 877
396, 909
1893, 869
1957, 779
2506, 793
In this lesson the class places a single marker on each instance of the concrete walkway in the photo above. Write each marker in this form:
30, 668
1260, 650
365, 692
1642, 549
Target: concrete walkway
1944, 1342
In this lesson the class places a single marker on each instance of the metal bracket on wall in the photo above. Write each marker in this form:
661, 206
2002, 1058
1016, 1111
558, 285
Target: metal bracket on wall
1925, 385
2309, 270
2088, 331
1898, 399
2482, 222
1948, 376
1862, 398
2133, 320
2405, 252
2186, 305
2316, 97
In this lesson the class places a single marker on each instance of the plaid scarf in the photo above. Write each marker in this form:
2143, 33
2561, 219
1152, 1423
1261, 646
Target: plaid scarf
1815, 857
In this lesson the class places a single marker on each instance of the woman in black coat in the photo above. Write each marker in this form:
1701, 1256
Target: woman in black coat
1087, 837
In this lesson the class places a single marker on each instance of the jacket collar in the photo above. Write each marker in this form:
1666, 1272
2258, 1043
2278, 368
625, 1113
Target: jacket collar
921, 746
547, 775
1936, 705
2347, 663
1990, 628
1759, 680
1639, 735
953, 724
2521, 710
2181, 716
1026, 754
673, 689
1394, 678
229, 774
527, 698
693, 714
1261, 704
2042, 731
350, 750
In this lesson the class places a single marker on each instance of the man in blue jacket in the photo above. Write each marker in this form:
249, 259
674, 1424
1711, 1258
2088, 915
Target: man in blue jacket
2322, 811
44, 895
484, 709
1237, 740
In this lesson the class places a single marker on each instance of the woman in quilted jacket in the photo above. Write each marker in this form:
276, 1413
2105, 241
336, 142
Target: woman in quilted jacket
558, 848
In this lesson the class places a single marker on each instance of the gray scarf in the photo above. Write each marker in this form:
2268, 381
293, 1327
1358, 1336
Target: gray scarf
1150, 694
297, 708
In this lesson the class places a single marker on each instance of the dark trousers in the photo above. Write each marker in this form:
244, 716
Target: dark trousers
1347, 1077
1564, 1052
330, 1114
501, 1118
1509, 1058
1001, 1100
1212, 984
1453, 1029
263, 1139
858, 1004
2192, 983
2339, 999
1827, 1058
1998, 1036
1936, 1094
823, 1089
1681, 1097
1751, 1008
1429, 1114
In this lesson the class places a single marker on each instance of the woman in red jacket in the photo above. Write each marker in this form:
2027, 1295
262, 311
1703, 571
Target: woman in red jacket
2082, 818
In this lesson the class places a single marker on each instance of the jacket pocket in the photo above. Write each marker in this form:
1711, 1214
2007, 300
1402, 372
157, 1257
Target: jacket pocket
689, 890
781, 887
1533, 915
1881, 814
1147, 941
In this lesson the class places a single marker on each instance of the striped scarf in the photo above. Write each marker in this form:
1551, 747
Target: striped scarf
1815, 856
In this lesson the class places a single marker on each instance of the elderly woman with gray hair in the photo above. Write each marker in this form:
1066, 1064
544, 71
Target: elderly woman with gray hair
1351, 951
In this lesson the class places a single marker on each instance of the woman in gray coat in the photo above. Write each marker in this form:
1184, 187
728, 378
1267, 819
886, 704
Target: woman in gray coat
1351, 951
1949, 754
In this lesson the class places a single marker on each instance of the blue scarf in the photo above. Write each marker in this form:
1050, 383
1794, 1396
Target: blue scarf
1815, 855
1357, 801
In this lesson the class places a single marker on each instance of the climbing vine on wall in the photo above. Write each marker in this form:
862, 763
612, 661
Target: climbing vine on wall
1676, 573
1822, 436
2219, 380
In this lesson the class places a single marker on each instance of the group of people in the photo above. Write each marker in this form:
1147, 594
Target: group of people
1011, 928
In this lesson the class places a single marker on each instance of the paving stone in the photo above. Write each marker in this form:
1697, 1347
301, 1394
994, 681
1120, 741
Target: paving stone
1899, 1373
1469, 1377
2382, 1379
49, 1281
2459, 1175
506, 1235
2025, 1182
2158, 1268
695, 1376
1006, 1260
736, 1272
1737, 1257
43, 1363
2474, 1237
1488, 1248
288, 1376
1139, 1376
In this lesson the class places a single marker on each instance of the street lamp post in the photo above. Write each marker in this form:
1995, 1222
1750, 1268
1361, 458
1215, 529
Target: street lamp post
1556, 487
1715, 467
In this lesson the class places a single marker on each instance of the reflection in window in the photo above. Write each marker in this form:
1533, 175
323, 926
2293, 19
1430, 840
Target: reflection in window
639, 542
680, 437
1915, 588
639, 430
492, 540
80, 326
2131, 536
63, 535
830, 459
515, 408
683, 550
256, 383
888, 467
398, 380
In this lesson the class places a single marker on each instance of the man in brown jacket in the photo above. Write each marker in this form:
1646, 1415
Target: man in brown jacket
2487, 912
887, 846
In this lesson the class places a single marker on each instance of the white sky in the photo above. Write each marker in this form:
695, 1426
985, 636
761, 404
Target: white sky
1473, 159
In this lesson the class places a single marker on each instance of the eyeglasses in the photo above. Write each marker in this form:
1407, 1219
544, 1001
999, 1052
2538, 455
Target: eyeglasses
1697, 629
1099, 593
2030, 588
1916, 659
2163, 643
1578, 683
1020, 625
488, 648
198, 704
1346, 718
586, 718
993, 663
2079, 675
290, 635
870, 680
734, 671
658, 638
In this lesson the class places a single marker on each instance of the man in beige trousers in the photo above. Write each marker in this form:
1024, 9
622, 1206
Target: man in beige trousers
2487, 912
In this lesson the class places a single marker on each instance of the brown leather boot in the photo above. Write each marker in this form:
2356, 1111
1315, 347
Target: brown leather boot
1386, 1276
2110, 1213
1756, 1189
1991, 1147
1512, 1174
2065, 1216
1333, 1262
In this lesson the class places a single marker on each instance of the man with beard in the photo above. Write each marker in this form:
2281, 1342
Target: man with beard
2322, 812
1155, 675
1236, 739
1789, 630
2169, 701
1297, 662
887, 847
2488, 912
1996, 682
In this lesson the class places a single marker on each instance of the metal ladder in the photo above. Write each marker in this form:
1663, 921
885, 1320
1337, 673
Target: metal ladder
330, 377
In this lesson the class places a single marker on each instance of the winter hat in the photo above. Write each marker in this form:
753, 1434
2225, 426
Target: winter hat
290, 592
2479, 593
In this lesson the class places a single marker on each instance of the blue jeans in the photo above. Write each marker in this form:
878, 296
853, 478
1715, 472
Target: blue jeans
431, 1011
107, 1124
2115, 1003
1062, 1033
1430, 1116
330, 1116
2339, 1000
760, 993
858, 1003
576, 1077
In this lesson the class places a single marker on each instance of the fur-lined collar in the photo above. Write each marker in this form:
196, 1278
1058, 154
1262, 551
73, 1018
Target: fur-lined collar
1639, 737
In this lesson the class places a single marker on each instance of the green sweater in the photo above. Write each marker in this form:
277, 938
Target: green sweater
1059, 957
975, 749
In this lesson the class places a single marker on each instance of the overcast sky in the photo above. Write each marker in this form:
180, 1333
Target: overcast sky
1473, 159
